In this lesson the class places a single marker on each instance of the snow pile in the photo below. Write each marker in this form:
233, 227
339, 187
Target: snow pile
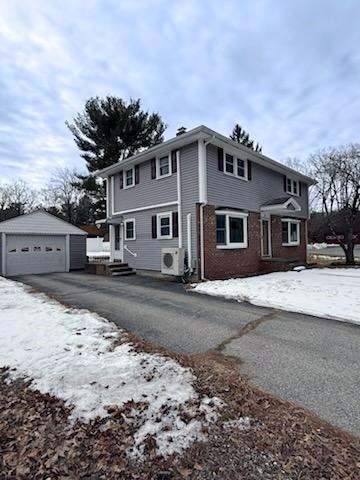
71, 354
321, 246
328, 293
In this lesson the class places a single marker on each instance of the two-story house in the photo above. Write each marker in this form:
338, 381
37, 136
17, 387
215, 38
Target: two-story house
233, 211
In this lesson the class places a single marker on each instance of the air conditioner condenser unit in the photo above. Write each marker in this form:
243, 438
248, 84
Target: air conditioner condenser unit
172, 261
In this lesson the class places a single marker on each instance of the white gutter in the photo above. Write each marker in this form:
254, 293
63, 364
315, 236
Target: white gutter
178, 178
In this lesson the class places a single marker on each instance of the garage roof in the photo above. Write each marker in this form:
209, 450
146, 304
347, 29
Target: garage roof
39, 222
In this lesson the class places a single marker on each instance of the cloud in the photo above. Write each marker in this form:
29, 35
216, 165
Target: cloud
287, 71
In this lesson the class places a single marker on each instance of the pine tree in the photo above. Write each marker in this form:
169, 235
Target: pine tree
239, 135
110, 130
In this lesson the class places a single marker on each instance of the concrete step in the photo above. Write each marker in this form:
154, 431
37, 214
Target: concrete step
117, 264
120, 269
123, 273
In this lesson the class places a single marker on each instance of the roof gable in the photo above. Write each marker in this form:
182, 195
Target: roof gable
39, 222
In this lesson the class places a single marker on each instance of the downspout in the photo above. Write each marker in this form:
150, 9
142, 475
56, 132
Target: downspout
202, 198
188, 231
179, 197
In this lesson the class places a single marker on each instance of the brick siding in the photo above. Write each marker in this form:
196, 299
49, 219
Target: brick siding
227, 263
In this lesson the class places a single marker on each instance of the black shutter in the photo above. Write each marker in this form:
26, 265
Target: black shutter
154, 226
175, 224
173, 162
153, 168
249, 169
300, 190
121, 176
220, 159
137, 174
285, 180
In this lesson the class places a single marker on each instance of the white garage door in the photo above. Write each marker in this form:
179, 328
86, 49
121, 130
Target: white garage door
27, 254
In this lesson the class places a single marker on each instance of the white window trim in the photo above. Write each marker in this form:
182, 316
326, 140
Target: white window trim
236, 214
158, 176
133, 178
235, 174
289, 221
129, 220
291, 191
158, 225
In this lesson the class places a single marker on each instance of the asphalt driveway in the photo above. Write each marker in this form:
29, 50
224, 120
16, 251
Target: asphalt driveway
307, 360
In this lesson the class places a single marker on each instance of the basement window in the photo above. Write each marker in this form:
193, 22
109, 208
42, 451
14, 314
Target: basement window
231, 230
290, 232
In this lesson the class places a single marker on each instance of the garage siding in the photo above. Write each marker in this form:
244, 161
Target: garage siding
77, 252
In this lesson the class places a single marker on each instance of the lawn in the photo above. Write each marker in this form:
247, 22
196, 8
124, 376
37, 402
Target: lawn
332, 293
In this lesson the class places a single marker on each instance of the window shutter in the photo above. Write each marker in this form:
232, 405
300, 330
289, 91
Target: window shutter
220, 159
154, 226
173, 162
121, 176
300, 190
153, 168
175, 224
284, 177
137, 174
249, 169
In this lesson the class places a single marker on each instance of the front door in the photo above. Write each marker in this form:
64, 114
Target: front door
118, 242
265, 238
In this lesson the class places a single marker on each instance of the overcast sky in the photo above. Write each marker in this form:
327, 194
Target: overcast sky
287, 71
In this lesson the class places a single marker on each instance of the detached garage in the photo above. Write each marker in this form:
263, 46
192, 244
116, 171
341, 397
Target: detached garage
40, 243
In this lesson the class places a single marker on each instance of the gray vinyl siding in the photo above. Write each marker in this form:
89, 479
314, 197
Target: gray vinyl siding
190, 193
152, 192
266, 184
148, 249
77, 252
39, 223
148, 192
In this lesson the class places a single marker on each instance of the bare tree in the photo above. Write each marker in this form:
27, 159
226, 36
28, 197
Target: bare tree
337, 172
63, 193
16, 198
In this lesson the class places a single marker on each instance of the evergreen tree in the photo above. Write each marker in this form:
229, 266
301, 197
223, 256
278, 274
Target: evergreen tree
239, 135
110, 130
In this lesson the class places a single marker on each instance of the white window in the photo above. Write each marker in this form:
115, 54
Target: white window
292, 186
290, 232
130, 233
231, 229
129, 178
235, 166
163, 166
164, 225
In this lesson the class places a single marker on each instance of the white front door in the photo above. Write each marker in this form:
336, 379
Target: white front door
118, 242
265, 238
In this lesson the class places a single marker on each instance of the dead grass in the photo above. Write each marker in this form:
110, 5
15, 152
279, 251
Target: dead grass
283, 441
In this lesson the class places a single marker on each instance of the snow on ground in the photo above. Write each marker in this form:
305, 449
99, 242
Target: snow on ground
332, 293
321, 246
71, 354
